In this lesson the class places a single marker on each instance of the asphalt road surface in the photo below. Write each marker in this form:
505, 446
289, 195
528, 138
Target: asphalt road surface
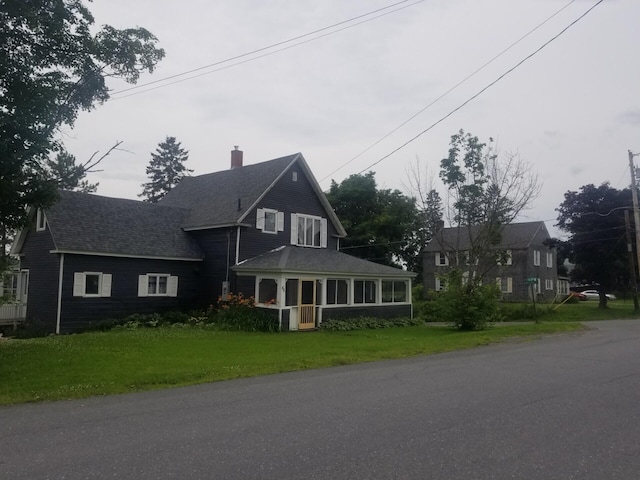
560, 407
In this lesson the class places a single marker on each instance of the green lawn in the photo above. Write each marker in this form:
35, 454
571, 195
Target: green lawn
585, 311
100, 363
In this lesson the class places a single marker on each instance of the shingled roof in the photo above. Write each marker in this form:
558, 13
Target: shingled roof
291, 259
84, 223
226, 197
514, 236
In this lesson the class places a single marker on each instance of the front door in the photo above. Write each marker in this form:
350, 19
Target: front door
306, 304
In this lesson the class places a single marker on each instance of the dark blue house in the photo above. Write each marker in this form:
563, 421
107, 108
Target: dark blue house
263, 230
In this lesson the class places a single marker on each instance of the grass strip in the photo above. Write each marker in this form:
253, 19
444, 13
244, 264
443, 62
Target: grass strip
120, 361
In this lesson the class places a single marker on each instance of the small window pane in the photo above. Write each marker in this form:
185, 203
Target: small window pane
267, 291
399, 291
358, 291
337, 292
291, 293
309, 232
301, 227
269, 221
307, 293
153, 283
370, 291
343, 292
92, 284
162, 285
387, 291
316, 232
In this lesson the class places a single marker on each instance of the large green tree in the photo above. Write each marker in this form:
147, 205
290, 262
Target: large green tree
594, 219
485, 190
165, 170
379, 223
52, 67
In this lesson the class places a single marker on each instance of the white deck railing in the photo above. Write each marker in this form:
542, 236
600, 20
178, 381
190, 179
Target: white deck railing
13, 313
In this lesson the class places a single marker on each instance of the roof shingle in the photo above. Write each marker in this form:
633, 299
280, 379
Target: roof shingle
80, 222
293, 259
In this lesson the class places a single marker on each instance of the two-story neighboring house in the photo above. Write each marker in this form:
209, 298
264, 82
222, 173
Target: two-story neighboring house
263, 230
522, 265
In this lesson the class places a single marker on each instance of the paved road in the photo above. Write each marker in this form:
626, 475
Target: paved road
562, 407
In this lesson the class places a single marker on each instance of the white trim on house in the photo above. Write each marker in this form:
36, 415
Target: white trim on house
59, 306
509, 284
221, 225
80, 284
118, 255
261, 220
41, 220
295, 232
171, 285
439, 259
536, 259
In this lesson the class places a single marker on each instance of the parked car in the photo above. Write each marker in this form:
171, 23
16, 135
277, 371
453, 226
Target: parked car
577, 295
595, 295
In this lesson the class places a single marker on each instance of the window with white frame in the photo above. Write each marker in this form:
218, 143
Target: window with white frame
267, 291
504, 258
337, 292
308, 231
536, 258
442, 259
563, 287
394, 291
269, 220
538, 286
441, 284
549, 260
505, 284
91, 284
548, 284
364, 291
157, 285
41, 220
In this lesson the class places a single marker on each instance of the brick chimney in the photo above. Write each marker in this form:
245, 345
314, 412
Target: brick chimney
236, 158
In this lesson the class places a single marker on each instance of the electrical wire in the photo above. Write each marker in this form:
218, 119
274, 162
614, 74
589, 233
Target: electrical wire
484, 89
437, 99
263, 49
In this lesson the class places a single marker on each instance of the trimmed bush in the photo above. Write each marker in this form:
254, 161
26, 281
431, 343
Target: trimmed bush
466, 305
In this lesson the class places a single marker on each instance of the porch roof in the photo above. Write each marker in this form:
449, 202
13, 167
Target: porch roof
318, 261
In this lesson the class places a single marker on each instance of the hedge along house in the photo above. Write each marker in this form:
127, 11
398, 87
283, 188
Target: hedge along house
257, 229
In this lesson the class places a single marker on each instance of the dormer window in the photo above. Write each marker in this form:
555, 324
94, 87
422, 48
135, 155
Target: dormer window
41, 220
269, 220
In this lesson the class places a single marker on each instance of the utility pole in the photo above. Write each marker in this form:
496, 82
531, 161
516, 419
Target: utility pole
632, 263
636, 210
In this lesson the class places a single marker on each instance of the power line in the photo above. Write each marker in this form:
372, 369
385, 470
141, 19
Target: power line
263, 49
473, 97
437, 99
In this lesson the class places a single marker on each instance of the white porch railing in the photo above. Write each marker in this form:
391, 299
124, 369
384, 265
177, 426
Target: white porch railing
13, 314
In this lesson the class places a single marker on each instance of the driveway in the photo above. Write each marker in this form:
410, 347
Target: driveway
560, 407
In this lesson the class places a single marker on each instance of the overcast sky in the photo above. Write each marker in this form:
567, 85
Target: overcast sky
572, 110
